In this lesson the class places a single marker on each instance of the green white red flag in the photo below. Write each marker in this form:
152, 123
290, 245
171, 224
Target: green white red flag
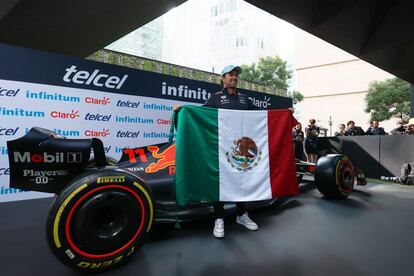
234, 155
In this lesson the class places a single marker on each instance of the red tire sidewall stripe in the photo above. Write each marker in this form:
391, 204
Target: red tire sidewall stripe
92, 256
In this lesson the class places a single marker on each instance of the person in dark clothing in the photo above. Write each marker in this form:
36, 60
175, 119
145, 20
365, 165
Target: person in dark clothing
400, 129
341, 130
353, 130
229, 98
298, 137
311, 142
375, 129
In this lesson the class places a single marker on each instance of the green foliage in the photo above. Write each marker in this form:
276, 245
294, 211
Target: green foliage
147, 65
388, 98
269, 71
296, 96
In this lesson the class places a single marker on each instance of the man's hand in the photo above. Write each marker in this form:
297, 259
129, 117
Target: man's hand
176, 108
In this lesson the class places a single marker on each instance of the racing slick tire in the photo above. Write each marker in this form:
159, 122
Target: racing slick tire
334, 176
100, 219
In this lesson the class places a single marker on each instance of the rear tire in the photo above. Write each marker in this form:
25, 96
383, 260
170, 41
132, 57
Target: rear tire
109, 160
334, 176
100, 219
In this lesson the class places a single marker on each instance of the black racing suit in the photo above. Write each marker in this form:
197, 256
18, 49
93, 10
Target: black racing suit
224, 100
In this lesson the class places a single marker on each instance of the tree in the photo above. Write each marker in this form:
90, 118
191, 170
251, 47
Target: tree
388, 98
269, 71
296, 96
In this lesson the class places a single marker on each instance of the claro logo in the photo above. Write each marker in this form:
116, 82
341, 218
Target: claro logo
103, 101
94, 133
38, 158
65, 115
96, 78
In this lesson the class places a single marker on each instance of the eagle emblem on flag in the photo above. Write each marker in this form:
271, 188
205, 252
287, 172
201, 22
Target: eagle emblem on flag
244, 154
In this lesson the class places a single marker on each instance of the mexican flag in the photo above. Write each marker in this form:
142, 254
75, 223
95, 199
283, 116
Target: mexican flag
234, 155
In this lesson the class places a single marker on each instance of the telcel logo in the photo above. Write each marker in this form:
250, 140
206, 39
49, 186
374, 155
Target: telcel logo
93, 133
4, 171
91, 100
58, 157
8, 131
84, 77
8, 92
97, 117
127, 104
127, 134
64, 115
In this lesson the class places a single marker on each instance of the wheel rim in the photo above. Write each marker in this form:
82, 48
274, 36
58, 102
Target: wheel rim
105, 221
345, 176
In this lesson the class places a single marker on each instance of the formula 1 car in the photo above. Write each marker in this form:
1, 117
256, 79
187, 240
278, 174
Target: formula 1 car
104, 209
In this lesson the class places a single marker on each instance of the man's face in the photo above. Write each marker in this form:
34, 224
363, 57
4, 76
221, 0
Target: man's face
351, 125
375, 124
230, 79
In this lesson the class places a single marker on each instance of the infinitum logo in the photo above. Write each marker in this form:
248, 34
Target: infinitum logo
84, 77
65, 115
63, 132
51, 97
157, 106
20, 112
183, 91
4, 151
8, 191
135, 120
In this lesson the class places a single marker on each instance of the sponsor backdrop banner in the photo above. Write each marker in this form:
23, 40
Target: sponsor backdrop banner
79, 98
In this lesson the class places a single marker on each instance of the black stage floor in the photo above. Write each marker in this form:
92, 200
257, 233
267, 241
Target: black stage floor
371, 233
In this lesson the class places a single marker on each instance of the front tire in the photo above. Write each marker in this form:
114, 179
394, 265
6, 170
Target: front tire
334, 176
100, 219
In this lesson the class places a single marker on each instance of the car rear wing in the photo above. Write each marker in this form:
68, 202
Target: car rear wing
45, 161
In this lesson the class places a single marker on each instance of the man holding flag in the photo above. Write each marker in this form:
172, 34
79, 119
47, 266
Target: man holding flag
221, 165
228, 98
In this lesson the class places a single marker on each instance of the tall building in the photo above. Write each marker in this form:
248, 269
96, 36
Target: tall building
208, 35
144, 42
333, 82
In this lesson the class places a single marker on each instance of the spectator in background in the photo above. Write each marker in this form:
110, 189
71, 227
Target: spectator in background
298, 137
311, 142
410, 127
341, 130
353, 130
400, 129
375, 129
371, 124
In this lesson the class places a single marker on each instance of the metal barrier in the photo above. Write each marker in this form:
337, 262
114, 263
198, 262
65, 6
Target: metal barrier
376, 155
